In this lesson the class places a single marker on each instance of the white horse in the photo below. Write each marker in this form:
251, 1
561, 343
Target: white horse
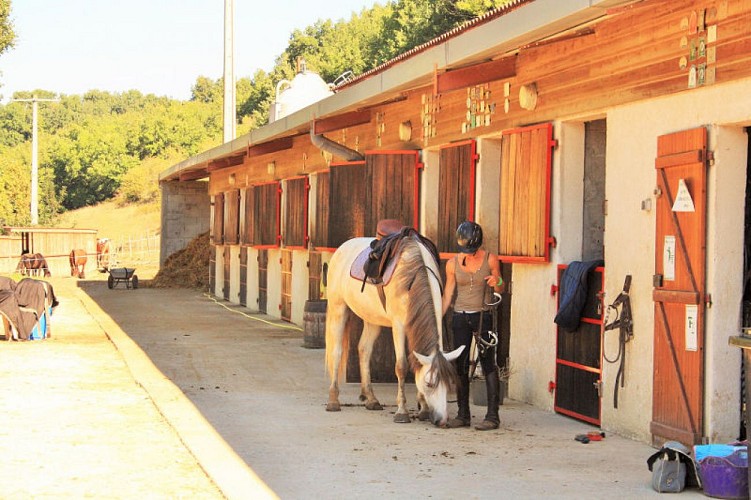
412, 308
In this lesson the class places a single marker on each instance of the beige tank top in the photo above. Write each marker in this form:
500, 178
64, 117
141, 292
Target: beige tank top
471, 288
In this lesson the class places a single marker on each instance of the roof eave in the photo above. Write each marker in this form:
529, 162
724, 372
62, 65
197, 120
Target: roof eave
502, 35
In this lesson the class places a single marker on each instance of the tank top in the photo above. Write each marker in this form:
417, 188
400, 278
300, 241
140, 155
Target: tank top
471, 288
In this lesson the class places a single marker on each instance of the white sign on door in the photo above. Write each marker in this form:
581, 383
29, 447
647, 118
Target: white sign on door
668, 258
692, 336
683, 201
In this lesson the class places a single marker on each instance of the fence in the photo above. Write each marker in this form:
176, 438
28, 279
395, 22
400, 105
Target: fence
140, 249
130, 251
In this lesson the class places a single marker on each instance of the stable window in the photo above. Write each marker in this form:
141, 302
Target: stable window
296, 212
526, 156
319, 222
232, 217
263, 204
392, 187
384, 186
246, 229
347, 202
217, 228
456, 191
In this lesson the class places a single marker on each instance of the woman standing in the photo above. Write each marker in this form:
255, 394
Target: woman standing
469, 274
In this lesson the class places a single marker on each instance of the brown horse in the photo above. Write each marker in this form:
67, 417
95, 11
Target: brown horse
31, 263
78, 263
103, 254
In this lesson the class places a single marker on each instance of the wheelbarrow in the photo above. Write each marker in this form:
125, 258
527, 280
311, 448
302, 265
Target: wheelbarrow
122, 275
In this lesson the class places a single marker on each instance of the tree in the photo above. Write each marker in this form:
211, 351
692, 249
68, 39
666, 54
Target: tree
206, 90
414, 22
7, 35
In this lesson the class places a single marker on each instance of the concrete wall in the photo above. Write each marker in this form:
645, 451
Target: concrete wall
185, 206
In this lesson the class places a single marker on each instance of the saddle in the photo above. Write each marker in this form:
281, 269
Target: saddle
376, 263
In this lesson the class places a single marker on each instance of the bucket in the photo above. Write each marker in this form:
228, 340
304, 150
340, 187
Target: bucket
480, 393
725, 476
314, 324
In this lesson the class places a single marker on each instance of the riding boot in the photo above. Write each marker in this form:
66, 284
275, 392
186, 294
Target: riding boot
493, 386
463, 416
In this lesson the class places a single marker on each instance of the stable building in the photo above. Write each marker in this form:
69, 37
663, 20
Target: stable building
573, 132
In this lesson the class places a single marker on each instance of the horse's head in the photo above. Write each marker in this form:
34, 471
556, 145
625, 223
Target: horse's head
434, 379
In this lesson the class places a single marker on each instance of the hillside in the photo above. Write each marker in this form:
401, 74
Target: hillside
115, 222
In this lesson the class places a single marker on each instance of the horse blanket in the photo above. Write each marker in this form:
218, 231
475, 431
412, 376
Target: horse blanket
29, 307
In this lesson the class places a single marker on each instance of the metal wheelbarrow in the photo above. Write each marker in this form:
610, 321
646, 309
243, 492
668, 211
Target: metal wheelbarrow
122, 275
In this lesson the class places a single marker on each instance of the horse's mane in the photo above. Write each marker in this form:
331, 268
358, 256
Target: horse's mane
421, 325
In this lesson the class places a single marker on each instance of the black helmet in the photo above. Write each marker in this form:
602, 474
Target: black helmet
469, 236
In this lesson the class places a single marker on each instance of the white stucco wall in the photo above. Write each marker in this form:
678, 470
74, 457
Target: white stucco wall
632, 133
300, 277
219, 271
630, 247
252, 280
274, 284
234, 274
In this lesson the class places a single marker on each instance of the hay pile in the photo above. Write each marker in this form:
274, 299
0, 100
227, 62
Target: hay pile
186, 268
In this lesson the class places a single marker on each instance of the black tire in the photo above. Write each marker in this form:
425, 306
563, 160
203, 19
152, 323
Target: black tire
110, 282
135, 281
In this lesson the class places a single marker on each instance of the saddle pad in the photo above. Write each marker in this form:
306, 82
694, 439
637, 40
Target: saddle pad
357, 271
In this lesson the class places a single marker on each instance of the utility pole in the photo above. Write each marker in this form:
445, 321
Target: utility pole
230, 109
34, 155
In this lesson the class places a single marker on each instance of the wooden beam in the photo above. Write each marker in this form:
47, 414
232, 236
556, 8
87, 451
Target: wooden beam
270, 147
341, 121
230, 161
477, 74
684, 158
193, 175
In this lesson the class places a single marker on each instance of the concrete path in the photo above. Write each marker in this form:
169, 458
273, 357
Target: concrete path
170, 394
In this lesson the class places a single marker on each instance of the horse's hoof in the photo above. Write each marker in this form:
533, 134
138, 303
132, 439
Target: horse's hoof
373, 405
402, 418
333, 407
423, 416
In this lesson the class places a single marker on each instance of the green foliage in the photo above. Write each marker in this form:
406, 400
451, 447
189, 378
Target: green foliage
7, 35
206, 90
141, 183
414, 22
15, 189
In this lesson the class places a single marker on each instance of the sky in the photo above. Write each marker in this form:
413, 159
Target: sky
154, 46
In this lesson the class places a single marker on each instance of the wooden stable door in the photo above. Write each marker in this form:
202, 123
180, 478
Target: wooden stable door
678, 294
226, 263
578, 363
243, 276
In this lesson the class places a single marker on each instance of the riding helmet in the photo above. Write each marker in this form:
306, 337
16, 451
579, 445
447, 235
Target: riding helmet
469, 236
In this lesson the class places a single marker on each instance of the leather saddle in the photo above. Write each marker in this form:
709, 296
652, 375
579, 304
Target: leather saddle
376, 263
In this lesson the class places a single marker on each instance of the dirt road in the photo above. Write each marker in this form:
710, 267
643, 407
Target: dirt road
168, 394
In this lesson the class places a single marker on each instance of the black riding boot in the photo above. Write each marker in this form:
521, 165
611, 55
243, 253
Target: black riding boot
493, 386
462, 400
